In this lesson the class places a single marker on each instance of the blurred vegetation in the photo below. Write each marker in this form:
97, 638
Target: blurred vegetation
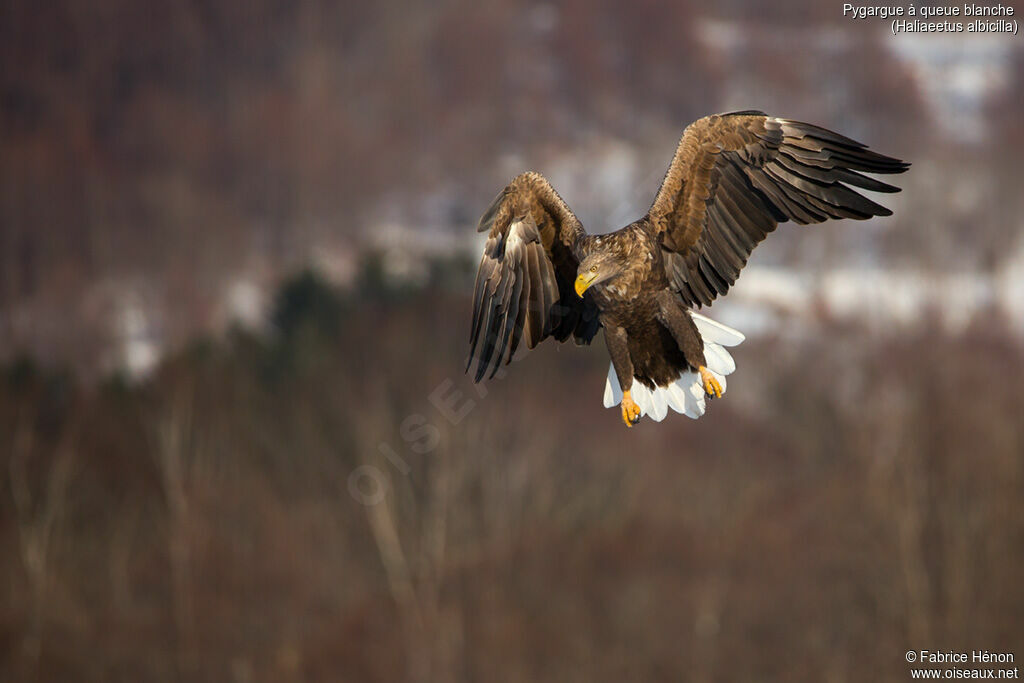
855, 495
851, 498
167, 153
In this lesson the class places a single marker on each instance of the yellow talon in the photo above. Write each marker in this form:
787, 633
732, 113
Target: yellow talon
630, 410
711, 386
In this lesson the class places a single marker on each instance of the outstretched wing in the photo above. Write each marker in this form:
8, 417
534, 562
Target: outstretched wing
524, 286
736, 176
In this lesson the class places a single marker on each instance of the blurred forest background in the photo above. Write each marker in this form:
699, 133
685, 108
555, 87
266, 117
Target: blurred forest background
236, 444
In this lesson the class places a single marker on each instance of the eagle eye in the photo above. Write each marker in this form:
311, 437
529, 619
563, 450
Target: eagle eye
593, 269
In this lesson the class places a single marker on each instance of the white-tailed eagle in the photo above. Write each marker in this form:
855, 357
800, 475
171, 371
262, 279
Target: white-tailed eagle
733, 179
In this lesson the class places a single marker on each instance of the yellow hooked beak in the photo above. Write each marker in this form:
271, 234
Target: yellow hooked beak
583, 281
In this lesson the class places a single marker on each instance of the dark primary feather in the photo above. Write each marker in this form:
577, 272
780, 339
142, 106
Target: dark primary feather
524, 285
735, 177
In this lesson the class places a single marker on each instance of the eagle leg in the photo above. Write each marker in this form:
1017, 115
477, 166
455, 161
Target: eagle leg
683, 329
630, 410
711, 386
618, 348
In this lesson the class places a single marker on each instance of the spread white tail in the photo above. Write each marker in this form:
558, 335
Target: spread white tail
686, 394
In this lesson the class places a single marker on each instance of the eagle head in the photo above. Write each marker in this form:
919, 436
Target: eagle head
597, 267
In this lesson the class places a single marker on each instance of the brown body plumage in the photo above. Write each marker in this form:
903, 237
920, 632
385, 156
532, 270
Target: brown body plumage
733, 178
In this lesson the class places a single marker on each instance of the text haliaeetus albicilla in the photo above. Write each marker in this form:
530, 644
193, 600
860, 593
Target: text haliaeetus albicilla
733, 178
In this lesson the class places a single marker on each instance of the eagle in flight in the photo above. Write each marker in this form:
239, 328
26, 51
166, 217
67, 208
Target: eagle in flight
733, 178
